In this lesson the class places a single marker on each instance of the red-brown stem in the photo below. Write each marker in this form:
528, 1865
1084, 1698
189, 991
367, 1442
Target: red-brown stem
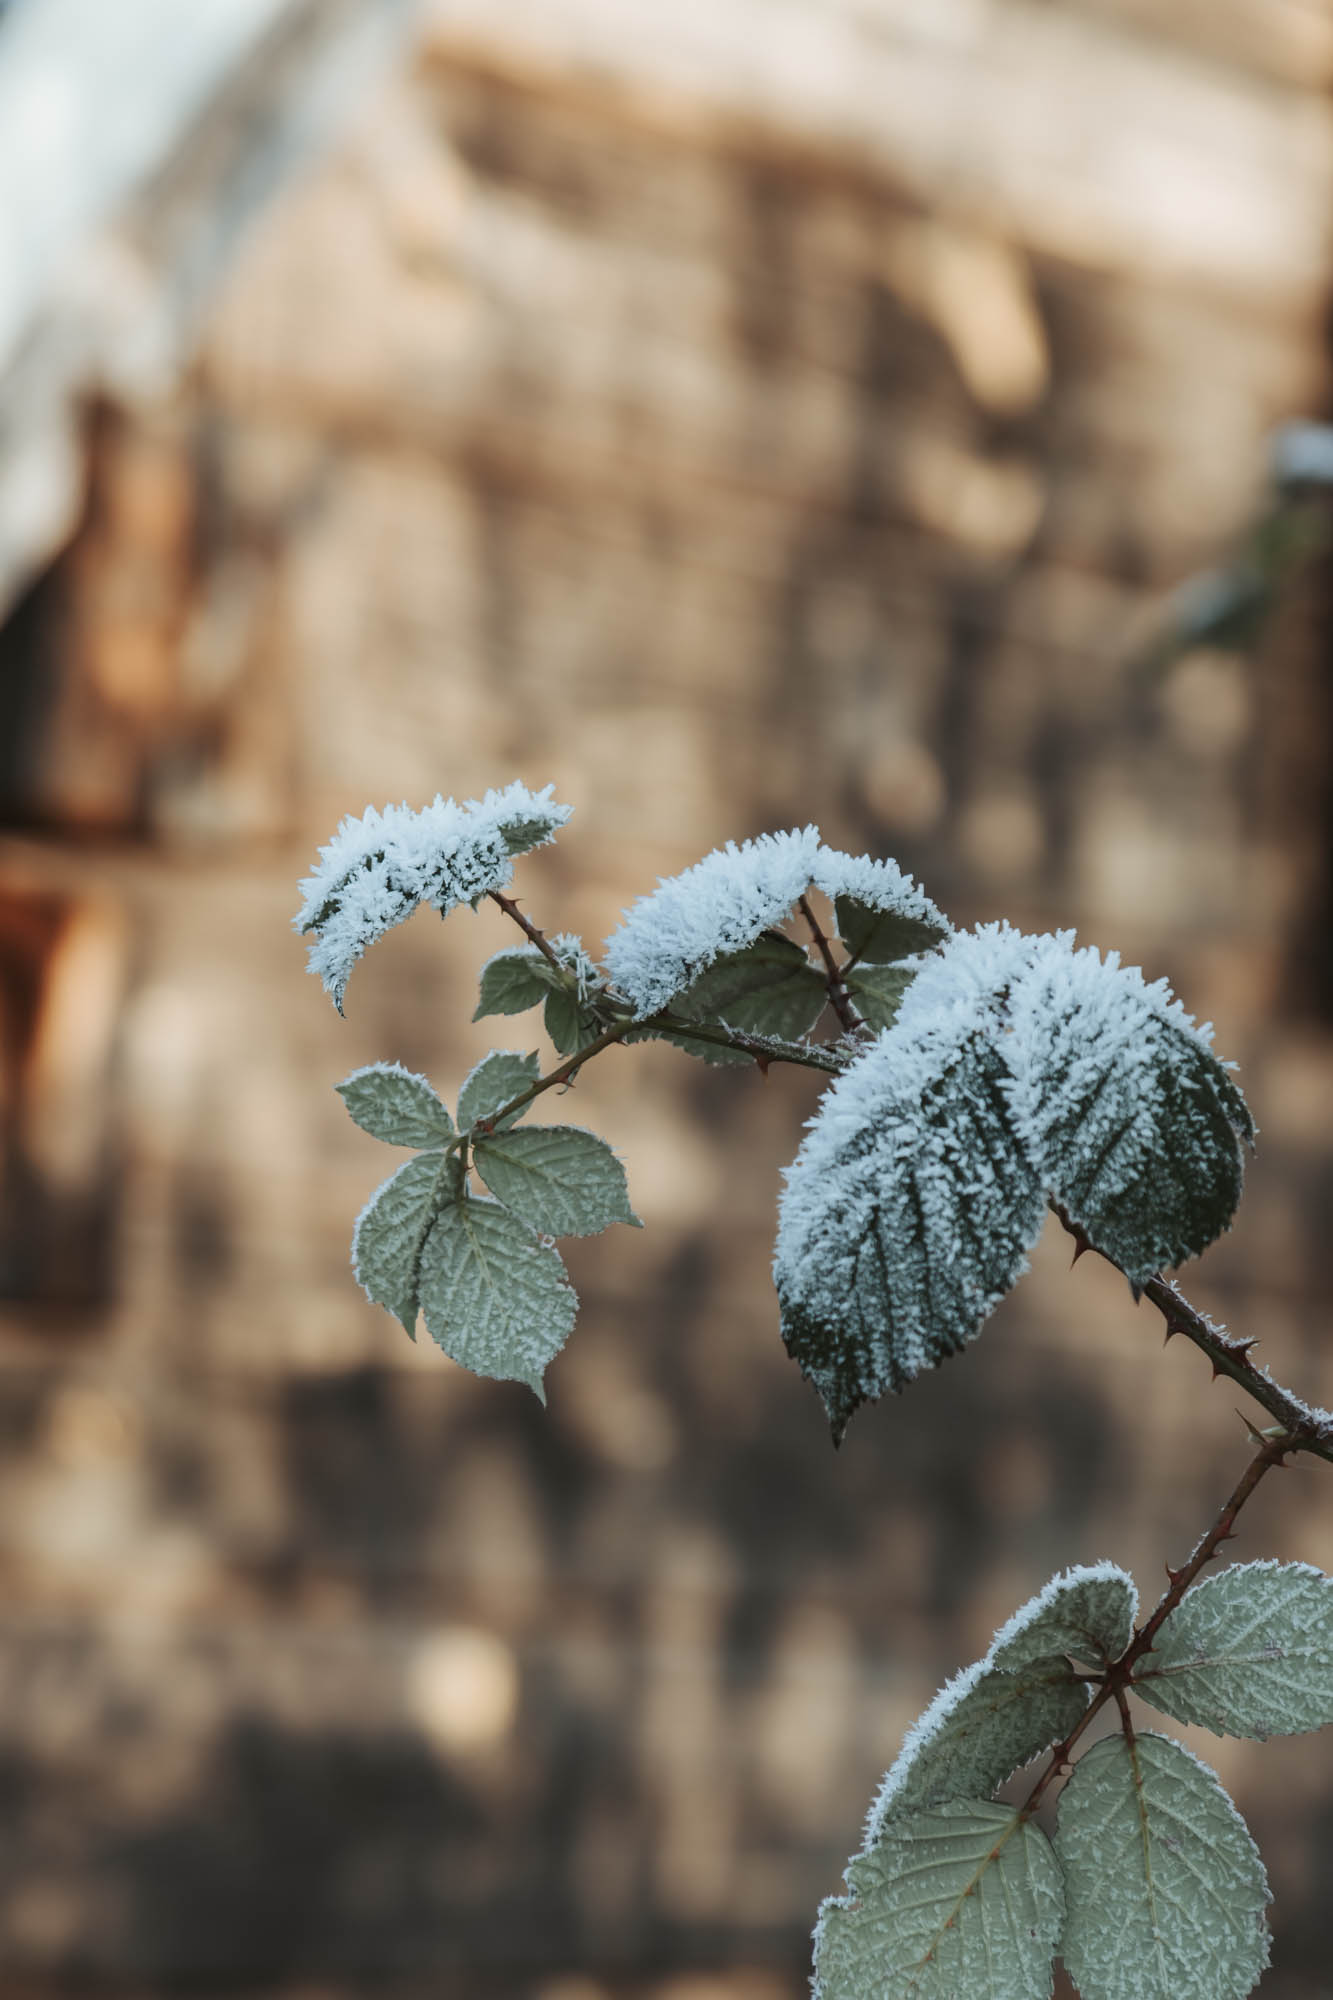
1118, 1676
529, 930
839, 998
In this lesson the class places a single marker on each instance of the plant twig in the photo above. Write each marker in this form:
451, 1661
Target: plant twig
1307, 1429
1118, 1678
839, 998
529, 930
764, 1048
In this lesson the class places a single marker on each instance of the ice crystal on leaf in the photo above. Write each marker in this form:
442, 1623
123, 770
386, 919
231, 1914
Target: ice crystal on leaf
1127, 1115
911, 1206
882, 914
719, 905
376, 869
1018, 1071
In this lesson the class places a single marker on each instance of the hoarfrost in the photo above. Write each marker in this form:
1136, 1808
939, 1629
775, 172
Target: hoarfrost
719, 905
377, 868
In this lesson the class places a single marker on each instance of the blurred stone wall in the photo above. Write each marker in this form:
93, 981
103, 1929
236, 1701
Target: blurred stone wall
735, 418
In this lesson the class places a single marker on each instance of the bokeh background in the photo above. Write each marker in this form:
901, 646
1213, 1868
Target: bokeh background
736, 413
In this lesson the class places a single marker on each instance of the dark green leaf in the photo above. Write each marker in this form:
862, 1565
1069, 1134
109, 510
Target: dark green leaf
876, 992
769, 988
881, 936
515, 980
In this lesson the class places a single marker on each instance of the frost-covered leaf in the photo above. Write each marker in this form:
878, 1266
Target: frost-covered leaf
882, 914
961, 1902
560, 1179
1247, 1653
1087, 1611
981, 1728
876, 992
513, 981
391, 1228
910, 1208
1165, 1889
769, 988
1130, 1120
376, 869
721, 904
496, 1299
396, 1105
568, 1019
497, 1078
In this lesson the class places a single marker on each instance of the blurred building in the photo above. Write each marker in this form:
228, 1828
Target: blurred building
737, 415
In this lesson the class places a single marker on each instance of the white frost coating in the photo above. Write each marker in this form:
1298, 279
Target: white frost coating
1072, 1595
909, 1210
376, 869
881, 884
721, 904
919, 1737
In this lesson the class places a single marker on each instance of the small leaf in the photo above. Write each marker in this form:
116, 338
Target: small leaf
495, 1298
908, 1212
981, 1728
1247, 1653
962, 1902
568, 1025
390, 1230
769, 988
559, 1179
882, 936
882, 914
497, 1078
1130, 1120
514, 980
1165, 1889
396, 1105
877, 991
1087, 1612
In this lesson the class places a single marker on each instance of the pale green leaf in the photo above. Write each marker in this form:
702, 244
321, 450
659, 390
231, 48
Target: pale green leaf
515, 980
391, 1228
561, 1180
396, 1105
769, 988
1165, 1889
497, 1078
877, 991
1248, 1653
496, 1299
1087, 1612
960, 1902
980, 1728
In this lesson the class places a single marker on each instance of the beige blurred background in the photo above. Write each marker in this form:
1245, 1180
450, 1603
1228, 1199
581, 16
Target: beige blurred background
736, 413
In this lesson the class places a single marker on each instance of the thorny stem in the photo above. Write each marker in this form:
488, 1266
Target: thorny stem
839, 998
529, 930
1118, 1676
1307, 1429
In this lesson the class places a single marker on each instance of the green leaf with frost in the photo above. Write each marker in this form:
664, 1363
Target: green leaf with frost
515, 980
1087, 1612
495, 1297
1247, 1653
1166, 1892
981, 1728
559, 1179
876, 992
496, 1079
396, 1105
907, 1214
955, 1903
1133, 1125
879, 937
391, 1228
769, 988
568, 1025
